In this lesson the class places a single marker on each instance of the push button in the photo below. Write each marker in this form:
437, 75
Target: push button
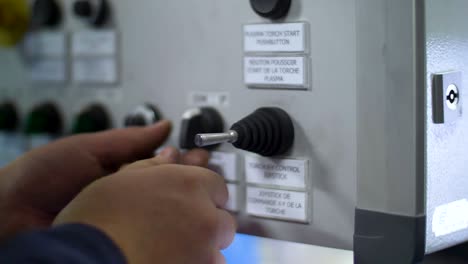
273, 9
92, 119
44, 119
8, 117
45, 13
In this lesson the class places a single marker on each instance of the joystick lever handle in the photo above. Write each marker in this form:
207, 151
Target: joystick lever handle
268, 131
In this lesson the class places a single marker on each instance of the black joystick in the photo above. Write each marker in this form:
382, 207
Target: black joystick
269, 131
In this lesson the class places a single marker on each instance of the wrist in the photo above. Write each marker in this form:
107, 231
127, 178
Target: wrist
112, 234
86, 235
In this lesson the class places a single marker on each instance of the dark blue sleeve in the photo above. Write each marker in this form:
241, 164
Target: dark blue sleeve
71, 244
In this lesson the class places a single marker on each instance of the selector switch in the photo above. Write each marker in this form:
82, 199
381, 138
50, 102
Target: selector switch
8, 117
92, 119
269, 131
273, 9
44, 119
199, 120
95, 12
143, 115
45, 13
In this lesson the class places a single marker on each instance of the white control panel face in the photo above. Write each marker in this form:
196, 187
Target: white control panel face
182, 55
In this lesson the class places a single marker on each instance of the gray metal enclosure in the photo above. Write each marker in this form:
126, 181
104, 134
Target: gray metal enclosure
447, 144
412, 169
383, 178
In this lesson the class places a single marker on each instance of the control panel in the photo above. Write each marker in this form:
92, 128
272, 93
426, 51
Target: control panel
314, 111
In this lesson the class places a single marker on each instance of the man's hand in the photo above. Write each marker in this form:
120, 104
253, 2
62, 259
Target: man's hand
158, 213
36, 187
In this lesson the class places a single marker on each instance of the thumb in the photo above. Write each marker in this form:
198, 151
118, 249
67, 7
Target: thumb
114, 148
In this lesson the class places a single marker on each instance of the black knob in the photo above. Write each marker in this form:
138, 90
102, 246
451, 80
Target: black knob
97, 12
199, 120
45, 13
273, 9
92, 119
143, 115
44, 119
8, 117
268, 131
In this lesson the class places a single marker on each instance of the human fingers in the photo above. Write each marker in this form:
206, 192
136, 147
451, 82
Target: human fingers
226, 229
219, 258
114, 148
196, 157
193, 177
169, 155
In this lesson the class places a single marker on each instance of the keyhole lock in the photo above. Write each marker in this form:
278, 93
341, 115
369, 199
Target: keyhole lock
447, 97
452, 97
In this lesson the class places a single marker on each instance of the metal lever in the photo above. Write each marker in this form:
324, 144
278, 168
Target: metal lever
203, 140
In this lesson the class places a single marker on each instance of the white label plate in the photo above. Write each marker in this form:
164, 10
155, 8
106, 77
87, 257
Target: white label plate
233, 202
281, 72
94, 43
48, 70
277, 204
225, 164
100, 70
12, 146
287, 37
46, 44
209, 98
450, 218
277, 172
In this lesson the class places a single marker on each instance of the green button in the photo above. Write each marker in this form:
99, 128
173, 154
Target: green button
44, 119
92, 119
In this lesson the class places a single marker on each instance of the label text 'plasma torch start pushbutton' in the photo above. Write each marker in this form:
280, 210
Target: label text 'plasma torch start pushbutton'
284, 37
